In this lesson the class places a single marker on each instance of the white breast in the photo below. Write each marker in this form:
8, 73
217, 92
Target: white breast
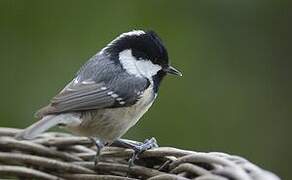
110, 124
124, 118
136, 111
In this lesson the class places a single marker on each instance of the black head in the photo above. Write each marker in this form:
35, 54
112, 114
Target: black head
145, 45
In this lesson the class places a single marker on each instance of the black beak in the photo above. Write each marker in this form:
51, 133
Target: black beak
172, 70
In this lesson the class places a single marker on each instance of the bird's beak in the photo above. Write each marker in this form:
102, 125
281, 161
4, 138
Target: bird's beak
172, 70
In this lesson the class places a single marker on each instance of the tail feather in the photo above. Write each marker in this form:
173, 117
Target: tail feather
37, 128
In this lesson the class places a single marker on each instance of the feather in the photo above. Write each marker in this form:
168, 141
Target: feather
46, 123
37, 128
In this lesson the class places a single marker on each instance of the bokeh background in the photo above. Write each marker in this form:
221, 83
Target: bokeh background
234, 97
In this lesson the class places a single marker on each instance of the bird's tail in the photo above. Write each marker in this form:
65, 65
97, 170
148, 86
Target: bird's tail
40, 126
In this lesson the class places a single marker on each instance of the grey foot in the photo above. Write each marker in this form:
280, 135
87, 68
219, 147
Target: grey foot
138, 148
99, 145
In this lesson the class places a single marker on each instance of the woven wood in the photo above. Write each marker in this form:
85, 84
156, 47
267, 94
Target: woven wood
61, 156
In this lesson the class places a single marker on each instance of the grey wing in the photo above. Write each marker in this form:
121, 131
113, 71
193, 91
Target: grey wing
89, 95
100, 83
83, 96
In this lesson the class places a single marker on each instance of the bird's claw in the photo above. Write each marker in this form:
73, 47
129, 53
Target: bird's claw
99, 145
140, 148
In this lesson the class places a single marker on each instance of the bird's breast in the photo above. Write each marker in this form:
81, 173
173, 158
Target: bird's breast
135, 112
110, 124
128, 116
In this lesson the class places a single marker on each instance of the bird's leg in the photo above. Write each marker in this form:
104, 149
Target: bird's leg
99, 145
138, 147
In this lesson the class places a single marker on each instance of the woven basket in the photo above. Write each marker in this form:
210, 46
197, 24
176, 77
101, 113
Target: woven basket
60, 156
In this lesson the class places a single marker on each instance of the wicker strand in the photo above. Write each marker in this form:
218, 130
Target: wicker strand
62, 156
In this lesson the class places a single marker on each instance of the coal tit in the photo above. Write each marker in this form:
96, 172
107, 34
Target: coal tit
110, 92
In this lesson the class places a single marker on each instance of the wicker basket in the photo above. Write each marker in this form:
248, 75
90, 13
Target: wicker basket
59, 156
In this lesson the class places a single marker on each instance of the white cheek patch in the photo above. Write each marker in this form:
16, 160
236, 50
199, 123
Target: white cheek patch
140, 68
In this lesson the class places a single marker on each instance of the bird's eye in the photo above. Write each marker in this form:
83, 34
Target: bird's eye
139, 54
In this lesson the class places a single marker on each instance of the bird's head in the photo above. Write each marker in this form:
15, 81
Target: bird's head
141, 53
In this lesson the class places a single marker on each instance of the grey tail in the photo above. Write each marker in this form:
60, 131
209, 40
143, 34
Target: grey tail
37, 128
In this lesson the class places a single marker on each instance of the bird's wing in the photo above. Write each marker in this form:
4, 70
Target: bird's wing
123, 90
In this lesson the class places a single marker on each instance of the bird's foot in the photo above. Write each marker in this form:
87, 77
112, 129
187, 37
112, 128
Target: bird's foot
138, 148
99, 145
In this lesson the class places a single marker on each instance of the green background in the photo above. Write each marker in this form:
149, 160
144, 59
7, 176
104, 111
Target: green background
234, 97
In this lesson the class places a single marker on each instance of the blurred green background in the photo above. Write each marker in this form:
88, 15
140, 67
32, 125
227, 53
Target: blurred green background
235, 95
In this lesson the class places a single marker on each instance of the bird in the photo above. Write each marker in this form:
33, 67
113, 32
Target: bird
110, 92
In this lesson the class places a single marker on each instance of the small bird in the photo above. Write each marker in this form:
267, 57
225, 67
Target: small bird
110, 92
